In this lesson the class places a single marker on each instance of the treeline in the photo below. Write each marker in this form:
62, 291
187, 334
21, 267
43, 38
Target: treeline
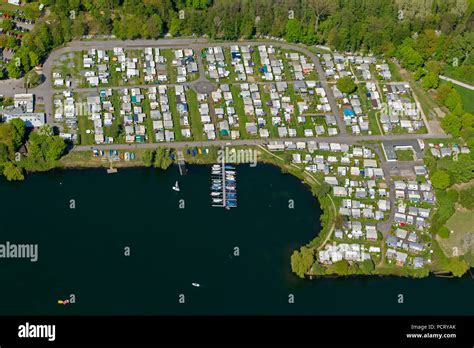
379, 26
19, 152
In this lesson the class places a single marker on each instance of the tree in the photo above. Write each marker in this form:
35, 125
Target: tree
12, 172
148, 157
451, 124
14, 69
46, 130
175, 26
457, 266
419, 73
346, 85
443, 92
4, 153
34, 59
367, 266
408, 56
321, 190
453, 99
434, 66
430, 81
162, 158
341, 267
55, 148
7, 25
440, 179
301, 261
443, 232
293, 30
17, 132
466, 198
339, 221
153, 27
320, 9
32, 79
31, 11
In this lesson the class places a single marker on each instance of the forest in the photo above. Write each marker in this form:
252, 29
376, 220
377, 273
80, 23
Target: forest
415, 31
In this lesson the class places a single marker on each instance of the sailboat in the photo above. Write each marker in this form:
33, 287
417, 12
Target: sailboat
176, 187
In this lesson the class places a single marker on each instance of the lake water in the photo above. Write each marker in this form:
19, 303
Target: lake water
81, 250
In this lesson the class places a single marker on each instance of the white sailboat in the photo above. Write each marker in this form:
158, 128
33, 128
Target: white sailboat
176, 187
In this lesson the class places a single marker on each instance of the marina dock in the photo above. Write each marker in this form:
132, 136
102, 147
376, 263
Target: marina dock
223, 188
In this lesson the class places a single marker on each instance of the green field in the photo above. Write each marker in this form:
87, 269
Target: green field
197, 130
467, 97
462, 236
404, 155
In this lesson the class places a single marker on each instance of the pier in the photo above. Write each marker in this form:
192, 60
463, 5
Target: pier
181, 163
223, 189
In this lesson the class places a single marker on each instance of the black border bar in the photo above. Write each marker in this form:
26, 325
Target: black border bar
332, 330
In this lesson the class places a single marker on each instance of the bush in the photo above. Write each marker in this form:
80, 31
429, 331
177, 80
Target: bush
12, 172
430, 81
346, 85
440, 179
444, 232
466, 198
148, 157
446, 201
301, 261
321, 190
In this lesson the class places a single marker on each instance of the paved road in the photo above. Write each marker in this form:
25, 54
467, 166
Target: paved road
347, 139
459, 83
330, 94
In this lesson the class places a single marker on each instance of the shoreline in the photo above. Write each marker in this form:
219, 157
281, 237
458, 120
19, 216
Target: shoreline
77, 161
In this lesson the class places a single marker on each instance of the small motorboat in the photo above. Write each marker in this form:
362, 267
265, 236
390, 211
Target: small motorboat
217, 200
216, 194
63, 302
176, 187
197, 285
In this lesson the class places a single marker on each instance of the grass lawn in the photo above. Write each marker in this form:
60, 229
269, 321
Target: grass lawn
467, 97
271, 128
367, 108
461, 73
462, 236
5, 6
148, 121
197, 129
394, 71
239, 109
174, 112
404, 155
171, 71
85, 123
117, 122
294, 118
